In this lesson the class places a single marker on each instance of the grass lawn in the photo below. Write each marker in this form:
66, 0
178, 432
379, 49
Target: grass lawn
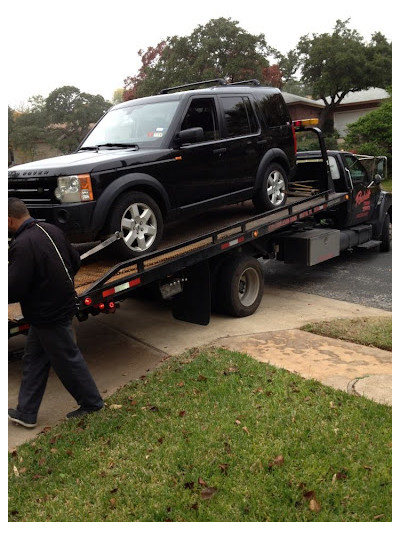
368, 331
215, 436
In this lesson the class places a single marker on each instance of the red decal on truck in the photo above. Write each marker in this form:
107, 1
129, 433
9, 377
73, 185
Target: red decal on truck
362, 196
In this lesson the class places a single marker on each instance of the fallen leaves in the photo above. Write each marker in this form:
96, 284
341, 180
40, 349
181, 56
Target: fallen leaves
314, 504
277, 461
206, 492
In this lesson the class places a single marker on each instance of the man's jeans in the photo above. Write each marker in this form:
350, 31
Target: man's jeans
54, 346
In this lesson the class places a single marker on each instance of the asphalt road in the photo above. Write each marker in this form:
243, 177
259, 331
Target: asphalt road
361, 276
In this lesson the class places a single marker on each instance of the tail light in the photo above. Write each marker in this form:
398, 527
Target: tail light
294, 139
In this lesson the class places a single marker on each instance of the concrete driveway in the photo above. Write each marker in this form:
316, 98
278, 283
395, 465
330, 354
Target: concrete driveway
140, 335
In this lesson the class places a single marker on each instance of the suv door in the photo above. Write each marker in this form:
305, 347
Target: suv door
364, 198
243, 153
198, 174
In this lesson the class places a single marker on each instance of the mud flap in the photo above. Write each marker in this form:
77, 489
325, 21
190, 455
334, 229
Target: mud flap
193, 304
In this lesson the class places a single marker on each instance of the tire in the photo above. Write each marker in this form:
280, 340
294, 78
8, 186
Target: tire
386, 236
240, 286
139, 218
274, 189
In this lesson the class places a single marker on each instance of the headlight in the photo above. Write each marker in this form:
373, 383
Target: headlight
74, 188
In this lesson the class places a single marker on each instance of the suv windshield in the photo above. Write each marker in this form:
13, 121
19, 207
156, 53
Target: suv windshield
143, 125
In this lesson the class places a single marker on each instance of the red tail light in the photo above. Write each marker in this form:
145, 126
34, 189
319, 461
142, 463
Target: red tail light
87, 301
294, 139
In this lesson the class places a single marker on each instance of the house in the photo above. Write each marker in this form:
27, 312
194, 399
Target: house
355, 105
352, 107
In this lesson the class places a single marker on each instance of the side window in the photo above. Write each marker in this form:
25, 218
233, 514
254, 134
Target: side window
357, 171
333, 168
239, 116
202, 114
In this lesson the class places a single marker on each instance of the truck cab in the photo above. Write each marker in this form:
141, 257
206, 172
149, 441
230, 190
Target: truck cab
358, 175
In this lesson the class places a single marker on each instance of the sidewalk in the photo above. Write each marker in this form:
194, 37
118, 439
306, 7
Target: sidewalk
358, 370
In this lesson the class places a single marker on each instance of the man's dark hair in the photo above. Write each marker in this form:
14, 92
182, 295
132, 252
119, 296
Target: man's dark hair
17, 208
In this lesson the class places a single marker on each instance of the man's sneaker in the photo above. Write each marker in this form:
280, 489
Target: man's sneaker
22, 420
82, 411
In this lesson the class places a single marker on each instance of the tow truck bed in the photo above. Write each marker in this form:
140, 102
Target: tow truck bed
185, 246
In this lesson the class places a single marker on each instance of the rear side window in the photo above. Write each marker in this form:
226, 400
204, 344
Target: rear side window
274, 110
239, 116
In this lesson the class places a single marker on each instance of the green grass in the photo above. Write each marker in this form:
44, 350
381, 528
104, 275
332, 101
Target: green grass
387, 185
367, 331
211, 436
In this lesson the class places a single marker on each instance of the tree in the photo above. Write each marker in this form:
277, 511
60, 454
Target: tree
149, 59
71, 114
118, 96
219, 49
372, 133
61, 120
339, 63
28, 129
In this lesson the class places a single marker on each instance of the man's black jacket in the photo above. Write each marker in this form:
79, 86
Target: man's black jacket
37, 277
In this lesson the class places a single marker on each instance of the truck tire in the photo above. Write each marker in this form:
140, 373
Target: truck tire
386, 236
240, 286
139, 218
274, 189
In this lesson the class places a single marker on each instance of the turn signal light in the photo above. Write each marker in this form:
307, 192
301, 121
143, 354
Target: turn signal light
305, 122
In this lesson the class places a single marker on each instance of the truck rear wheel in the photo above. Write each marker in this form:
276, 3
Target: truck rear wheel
274, 189
139, 219
240, 286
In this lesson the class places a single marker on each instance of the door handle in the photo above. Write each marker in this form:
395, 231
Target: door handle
219, 151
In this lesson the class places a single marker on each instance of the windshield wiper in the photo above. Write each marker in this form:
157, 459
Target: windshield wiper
110, 145
118, 145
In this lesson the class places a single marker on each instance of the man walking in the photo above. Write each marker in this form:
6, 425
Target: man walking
41, 269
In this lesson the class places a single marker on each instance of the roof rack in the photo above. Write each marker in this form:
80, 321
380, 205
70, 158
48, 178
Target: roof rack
246, 82
218, 81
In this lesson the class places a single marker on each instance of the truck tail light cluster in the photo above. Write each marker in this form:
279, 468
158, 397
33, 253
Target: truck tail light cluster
104, 307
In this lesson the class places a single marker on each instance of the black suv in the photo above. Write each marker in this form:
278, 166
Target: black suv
152, 159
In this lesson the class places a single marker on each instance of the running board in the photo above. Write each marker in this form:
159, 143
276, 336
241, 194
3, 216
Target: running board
369, 244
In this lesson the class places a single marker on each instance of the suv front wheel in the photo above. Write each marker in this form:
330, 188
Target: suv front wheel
139, 219
274, 189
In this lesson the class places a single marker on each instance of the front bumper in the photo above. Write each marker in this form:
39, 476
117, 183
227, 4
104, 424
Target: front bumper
74, 219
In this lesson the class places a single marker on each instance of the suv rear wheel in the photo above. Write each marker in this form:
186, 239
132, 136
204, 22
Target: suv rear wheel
139, 219
274, 189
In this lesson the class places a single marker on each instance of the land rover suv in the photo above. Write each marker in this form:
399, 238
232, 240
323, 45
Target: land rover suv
152, 159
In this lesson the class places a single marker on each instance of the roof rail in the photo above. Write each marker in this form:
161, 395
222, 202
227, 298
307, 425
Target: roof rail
218, 81
246, 82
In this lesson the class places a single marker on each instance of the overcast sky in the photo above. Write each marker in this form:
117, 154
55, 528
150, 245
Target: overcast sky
93, 45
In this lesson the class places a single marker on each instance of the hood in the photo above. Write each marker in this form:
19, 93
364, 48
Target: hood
87, 162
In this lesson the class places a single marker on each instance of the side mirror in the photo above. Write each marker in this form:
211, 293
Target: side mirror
189, 136
376, 181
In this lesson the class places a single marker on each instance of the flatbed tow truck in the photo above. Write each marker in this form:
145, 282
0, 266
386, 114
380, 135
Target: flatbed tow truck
214, 265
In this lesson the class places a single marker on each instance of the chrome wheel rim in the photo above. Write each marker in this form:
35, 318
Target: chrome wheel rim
249, 284
276, 188
139, 227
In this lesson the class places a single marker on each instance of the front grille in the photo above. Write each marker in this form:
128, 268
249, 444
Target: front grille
33, 190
